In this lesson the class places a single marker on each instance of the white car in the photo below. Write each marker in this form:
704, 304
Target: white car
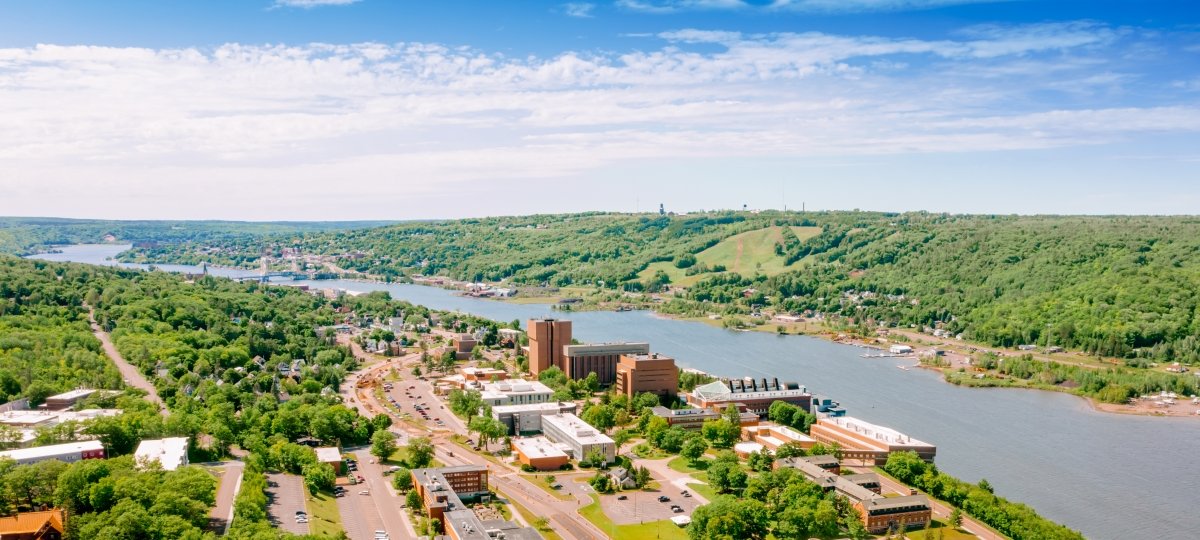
365, 492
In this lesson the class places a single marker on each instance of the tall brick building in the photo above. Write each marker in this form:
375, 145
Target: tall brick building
546, 340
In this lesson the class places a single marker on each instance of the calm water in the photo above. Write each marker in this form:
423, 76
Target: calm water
1109, 476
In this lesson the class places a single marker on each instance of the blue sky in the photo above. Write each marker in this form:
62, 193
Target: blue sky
373, 109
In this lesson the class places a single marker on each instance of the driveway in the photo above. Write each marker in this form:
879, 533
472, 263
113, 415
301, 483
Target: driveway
285, 495
230, 483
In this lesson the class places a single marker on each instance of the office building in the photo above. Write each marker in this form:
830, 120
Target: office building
539, 453
654, 373
547, 337
442, 493
578, 437
867, 442
598, 358
527, 419
689, 419
754, 395
170, 453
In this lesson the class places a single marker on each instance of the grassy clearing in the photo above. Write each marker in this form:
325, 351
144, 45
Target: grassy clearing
664, 529
540, 482
323, 516
943, 529
746, 253
682, 465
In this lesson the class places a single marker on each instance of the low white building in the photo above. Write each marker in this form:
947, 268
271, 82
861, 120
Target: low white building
66, 453
580, 437
527, 419
514, 392
171, 452
901, 349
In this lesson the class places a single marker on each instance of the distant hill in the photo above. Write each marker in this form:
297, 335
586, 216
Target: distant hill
1125, 286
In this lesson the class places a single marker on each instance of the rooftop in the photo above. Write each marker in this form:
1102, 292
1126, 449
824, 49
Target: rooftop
78, 393
884, 503
538, 447
550, 407
170, 452
52, 450
328, 454
722, 391
879, 433
516, 386
30, 522
580, 431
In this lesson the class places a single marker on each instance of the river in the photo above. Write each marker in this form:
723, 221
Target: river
1110, 476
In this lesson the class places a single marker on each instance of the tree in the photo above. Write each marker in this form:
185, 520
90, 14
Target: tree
402, 480
601, 482
383, 444
553, 377
466, 403
726, 477
645, 400
319, 477
956, 518
413, 501
602, 417
787, 450
729, 518
721, 433
761, 461
420, 452
488, 429
693, 449
642, 477
592, 383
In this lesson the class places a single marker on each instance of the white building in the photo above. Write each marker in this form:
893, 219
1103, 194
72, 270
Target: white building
515, 392
67, 453
527, 419
901, 349
171, 452
581, 438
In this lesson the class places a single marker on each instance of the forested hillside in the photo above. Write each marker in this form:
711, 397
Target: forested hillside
23, 236
1122, 286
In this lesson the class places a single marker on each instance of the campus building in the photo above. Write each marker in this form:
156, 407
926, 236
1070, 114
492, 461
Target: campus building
772, 436
547, 337
43, 525
867, 442
879, 513
331, 456
689, 419
539, 453
442, 493
578, 438
513, 392
171, 452
598, 358
527, 419
67, 453
753, 395
654, 373
66, 400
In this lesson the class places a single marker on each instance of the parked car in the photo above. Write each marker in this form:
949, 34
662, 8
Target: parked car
621, 497
365, 492
663, 498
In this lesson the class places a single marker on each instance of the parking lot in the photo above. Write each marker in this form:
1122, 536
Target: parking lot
285, 496
643, 506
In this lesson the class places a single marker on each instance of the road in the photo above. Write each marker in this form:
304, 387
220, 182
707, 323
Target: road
562, 515
940, 510
133, 376
231, 480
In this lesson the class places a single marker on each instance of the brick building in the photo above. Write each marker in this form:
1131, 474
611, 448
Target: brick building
547, 337
654, 373
598, 358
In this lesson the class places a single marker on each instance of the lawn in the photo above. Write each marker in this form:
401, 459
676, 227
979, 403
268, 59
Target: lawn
664, 529
540, 481
746, 253
323, 516
681, 464
943, 528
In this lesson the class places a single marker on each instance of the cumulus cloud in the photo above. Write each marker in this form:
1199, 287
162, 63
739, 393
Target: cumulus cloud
410, 117
308, 4
582, 10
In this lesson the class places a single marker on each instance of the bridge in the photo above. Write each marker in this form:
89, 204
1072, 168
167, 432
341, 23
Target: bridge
263, 277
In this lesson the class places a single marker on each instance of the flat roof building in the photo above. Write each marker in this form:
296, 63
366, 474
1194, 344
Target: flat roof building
598, 358
654, 373
514, 392
755, 395
67, 453
539, 453
690, 419
66, 400
773, 436
442, 493
547, 337
878, 513
527, 419
865, 441
171, 452
578, 436
331, 455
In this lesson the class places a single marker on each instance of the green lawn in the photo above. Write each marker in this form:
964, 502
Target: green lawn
682, 465
540, 481
746, 253
663, 529
323, 516
947, 532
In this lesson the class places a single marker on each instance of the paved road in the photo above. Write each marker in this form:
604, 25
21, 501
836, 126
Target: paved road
222, 513
133, 376
672, 480
285, 495
385, 501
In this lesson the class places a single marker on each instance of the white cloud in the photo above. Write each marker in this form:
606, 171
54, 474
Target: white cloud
582, 10
802, 6
419, 118
309, 4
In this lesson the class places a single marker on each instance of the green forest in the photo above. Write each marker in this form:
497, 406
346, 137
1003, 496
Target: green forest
1121, 286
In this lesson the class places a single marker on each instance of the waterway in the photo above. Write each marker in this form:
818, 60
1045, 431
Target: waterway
1110, 476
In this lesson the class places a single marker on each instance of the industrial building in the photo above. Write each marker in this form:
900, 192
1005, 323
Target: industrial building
527, 419
578, 437
67, 453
